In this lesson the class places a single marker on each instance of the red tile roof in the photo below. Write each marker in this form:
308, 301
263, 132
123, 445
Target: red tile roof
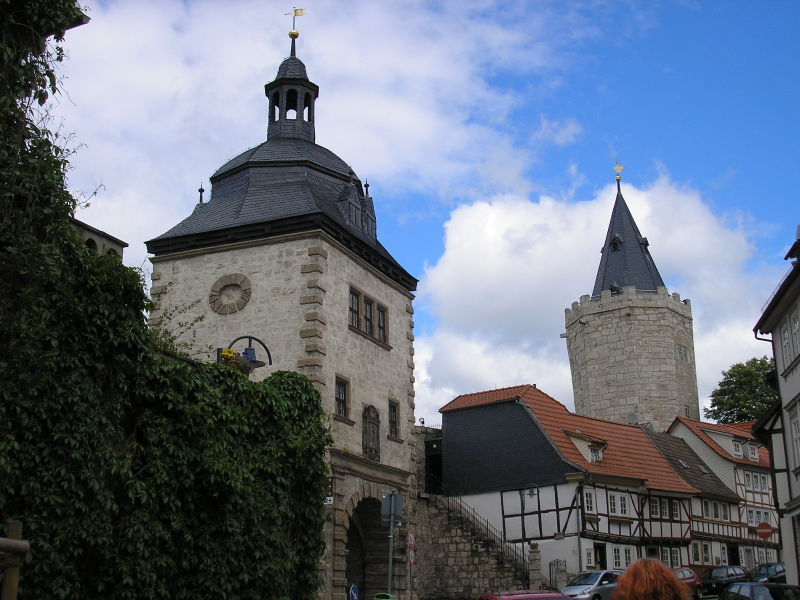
629, 453
741, 430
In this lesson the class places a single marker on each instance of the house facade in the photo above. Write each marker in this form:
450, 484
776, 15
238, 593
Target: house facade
743, 464
593, 493
780, 428
286, 252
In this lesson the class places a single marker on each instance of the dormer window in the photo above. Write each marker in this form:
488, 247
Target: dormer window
595, 454
616, 242
753, 452
737, 449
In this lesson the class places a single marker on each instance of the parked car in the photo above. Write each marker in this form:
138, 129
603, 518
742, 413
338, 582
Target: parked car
690, 579
524, 595
592, 585
751, 590
773, 572
714, 579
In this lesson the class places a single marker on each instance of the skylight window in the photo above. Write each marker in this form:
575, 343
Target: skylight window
684, 464
703, 469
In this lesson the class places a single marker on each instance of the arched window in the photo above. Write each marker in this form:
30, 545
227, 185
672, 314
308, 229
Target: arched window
91, 244
370, 436
307, 116
275, 107
291, 104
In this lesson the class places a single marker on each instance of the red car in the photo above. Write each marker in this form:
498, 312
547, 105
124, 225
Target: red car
524, 595
690, 580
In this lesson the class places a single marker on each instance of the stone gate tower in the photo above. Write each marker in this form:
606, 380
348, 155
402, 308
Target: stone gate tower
286, 250
630, 343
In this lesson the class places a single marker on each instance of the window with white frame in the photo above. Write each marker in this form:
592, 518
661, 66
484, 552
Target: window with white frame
588, 501
623, 504
588, 558
725, 514
748, 481
796, 440
595, 455
757, 516
794, 321
617, 557
695, 552
665, 556
706, 552
750, 517
676, 510
764, 483
786, 345
706, 509
724, 554
756, 482
654, 510
676, 557
628, 557
664, 508
612, 504
737, 449
715, 507
753, 452
762, 556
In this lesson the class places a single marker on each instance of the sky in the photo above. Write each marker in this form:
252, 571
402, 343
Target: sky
488, 132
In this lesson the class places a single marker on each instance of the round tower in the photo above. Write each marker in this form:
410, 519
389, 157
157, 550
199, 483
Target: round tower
630, 343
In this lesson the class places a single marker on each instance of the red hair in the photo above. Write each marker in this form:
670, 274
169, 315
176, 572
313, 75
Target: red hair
649, 579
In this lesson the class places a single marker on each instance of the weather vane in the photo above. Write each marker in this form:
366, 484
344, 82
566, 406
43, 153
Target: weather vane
296, 12
619, 168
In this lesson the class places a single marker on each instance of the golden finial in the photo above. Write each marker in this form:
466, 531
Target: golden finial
294, 34
619, 168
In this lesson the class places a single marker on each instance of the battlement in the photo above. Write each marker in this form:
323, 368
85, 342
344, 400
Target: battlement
628, 298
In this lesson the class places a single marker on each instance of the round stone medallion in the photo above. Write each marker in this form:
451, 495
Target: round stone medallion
230, 294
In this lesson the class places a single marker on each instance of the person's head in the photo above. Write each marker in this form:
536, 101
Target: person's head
649, 579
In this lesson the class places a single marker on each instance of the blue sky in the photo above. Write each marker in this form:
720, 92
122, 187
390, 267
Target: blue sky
488, 132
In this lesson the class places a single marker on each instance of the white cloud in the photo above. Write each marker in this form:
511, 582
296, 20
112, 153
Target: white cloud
511, 266
560, 133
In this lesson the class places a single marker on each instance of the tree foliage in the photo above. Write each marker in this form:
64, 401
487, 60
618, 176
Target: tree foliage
136, 476
742, 394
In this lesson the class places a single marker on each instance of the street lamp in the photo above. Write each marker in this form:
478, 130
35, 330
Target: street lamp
250, 361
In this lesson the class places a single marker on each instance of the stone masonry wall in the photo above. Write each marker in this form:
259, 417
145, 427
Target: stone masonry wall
452, 561
632, 357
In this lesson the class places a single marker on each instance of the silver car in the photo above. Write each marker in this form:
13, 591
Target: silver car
592, 585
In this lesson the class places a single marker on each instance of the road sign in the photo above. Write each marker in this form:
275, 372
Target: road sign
764, 530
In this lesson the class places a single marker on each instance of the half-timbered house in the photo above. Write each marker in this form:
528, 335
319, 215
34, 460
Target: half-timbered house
582, 488
742, 463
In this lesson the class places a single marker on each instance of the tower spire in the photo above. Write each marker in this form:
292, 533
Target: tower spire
625, 260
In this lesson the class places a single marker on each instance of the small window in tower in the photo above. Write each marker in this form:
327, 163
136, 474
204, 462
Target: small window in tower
683, 353
616, 242
307, 107
291, 104
276, 106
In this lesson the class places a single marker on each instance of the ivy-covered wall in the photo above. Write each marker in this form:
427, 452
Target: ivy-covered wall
135, 475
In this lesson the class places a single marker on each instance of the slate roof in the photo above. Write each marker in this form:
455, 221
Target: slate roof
629, 452
742, 431
630, 264
286, 184
675, 449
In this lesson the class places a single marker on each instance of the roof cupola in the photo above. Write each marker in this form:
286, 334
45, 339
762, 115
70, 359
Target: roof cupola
291, 99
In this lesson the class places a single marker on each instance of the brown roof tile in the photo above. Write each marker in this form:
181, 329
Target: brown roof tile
740, 430
630, 453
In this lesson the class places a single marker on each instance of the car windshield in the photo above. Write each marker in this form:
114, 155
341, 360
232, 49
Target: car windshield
584, 578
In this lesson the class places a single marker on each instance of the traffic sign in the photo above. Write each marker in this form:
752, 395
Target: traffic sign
764, 530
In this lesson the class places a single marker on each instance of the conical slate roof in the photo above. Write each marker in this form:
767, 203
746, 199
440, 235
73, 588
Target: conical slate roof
626, 260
